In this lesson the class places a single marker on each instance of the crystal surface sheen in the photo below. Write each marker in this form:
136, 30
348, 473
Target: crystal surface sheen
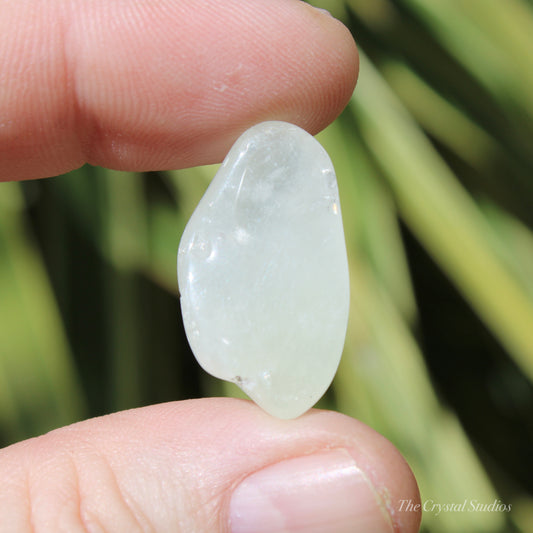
263, 273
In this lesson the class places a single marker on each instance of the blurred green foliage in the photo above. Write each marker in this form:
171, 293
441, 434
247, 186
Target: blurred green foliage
435, 165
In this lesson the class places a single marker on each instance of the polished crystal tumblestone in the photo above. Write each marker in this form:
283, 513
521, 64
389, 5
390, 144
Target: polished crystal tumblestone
263, 273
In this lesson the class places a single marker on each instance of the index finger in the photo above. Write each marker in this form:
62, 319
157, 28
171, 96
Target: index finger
162, 84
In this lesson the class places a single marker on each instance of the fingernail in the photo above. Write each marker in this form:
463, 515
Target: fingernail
319, 493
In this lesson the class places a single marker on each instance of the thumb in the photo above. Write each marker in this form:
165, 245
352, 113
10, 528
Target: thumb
214, 465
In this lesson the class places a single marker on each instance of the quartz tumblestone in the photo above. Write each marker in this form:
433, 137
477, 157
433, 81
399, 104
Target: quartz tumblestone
263, 273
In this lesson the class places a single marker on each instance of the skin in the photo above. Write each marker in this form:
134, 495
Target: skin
159, 85
162, 84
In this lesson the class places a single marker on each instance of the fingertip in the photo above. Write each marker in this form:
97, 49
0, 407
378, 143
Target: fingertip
208, 465
165, 84
209, 72
337, 74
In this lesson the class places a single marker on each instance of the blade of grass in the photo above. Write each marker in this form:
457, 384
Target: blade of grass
509, 25
125, 240
514, 244
165, 225
405, 31
124, 243
468, 40
486, 159
36, 358
441, 118
443, 216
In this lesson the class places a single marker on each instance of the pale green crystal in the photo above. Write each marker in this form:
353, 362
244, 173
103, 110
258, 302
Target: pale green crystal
263, 273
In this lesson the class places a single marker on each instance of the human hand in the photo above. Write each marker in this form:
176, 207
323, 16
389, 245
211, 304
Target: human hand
160, 85
212, 465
